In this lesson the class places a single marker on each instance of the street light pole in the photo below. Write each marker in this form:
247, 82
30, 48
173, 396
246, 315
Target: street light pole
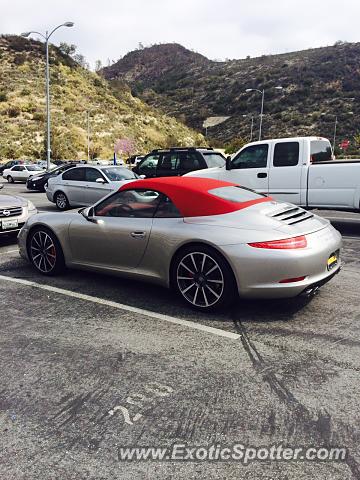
251, 127
261, 113
335, 127
262, 92
88, 135
46, 37
48, 126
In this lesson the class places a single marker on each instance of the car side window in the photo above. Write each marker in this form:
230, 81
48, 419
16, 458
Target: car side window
254, 156
167, 209
214, 159
149, 164
91, 175
169, 162
188, 161
74, 174
135, 203
286, 154
17, 168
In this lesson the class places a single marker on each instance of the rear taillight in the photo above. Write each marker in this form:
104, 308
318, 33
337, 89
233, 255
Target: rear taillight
286, 244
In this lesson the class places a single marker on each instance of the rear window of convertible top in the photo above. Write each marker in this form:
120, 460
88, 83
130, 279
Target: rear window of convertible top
236, 194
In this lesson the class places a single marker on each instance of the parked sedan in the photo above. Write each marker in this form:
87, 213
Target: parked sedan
209, 240
10, 164
81, 186
14, 211
20, 173
38, 182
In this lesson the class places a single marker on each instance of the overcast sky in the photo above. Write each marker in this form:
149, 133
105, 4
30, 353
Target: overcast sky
218, 29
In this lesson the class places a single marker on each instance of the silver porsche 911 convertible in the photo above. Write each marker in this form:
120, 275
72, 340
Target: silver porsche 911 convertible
207, 239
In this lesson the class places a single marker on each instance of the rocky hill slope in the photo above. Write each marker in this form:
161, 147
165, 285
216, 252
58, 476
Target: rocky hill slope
318, 84
74, 92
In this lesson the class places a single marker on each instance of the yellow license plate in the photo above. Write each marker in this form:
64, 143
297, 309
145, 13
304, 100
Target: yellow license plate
332, 261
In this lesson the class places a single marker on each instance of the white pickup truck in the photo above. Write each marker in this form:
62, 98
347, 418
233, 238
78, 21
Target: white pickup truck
298, 170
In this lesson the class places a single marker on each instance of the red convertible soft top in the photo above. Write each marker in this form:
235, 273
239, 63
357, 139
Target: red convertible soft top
191, 195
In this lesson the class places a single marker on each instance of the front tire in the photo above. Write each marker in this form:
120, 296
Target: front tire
45, 252
61, 201
10, 179
203, 278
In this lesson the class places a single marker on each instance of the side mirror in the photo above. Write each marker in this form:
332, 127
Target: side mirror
135, 169
88, 214
228, 163
100, 180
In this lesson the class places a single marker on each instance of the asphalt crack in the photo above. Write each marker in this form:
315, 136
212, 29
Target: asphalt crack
322, 425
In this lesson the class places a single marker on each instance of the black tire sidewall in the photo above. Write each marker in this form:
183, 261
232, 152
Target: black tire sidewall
10, 179
60, 261
229, 293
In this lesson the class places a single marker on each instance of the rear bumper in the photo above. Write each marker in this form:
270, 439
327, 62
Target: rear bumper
311, 289
260, 273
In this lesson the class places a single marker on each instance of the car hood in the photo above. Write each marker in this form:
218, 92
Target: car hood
274, 219
212, 172
12, 201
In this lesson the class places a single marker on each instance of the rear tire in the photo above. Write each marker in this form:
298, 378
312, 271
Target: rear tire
203, 278
61, 201
10, 179
45, 252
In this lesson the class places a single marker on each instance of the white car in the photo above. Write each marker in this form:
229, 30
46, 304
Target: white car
20, 173
85, 185
14, 211
43, 164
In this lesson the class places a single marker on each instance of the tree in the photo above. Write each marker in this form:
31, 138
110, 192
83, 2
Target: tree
235, 145
125, 146
98, 65
67, 49
81, 60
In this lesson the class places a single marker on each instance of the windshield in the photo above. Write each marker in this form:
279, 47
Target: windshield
320, 151
34, 168
236, 194
116, 174
214, 159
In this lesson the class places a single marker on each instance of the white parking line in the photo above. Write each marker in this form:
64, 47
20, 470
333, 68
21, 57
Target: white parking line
121, 306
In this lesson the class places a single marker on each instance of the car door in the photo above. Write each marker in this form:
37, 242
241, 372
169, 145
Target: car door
250, 168
17, 172
73, 184
286, 171
116, 236
95, 191
189, 161
148, 166
168, 165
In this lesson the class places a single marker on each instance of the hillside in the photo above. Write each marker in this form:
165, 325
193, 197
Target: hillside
318, 84
74, 92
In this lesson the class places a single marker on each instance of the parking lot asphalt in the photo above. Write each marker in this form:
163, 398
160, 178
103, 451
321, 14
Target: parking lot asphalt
91, 363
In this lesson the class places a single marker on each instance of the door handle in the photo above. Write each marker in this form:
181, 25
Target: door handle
262, 175
138, 234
